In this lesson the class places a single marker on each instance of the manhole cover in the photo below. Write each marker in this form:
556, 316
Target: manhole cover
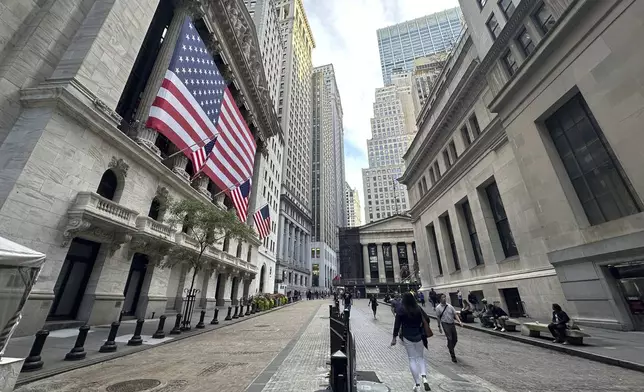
134, 385
461, 386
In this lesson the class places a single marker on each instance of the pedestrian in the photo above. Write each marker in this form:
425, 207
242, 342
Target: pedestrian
447, 316
396, 304
411, 324
421, 297
559, 324
432, 297
348, 301
459, 295
473, 300
374, 304
500, 317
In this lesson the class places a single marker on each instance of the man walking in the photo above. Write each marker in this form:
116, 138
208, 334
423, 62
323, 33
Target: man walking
447, 316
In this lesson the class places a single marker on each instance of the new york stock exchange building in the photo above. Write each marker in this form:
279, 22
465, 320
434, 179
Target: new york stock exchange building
84, 181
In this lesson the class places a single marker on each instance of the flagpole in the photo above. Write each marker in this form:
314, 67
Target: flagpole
182, 150
260, 208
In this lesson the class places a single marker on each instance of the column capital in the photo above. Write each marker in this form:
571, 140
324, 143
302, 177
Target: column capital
191, 7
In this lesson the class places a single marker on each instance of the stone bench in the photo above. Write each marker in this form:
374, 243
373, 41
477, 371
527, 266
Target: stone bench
573, 336
511, 325
468, 319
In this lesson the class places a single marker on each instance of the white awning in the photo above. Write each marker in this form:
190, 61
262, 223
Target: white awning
17, 255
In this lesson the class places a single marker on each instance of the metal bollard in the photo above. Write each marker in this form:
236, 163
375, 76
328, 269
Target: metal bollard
253, 309
214, 320
200, 324
236, 310
136, 338
228, 317
78, 352
177, 326
247, 310
160, 333
241, 311
34, 361
110, 345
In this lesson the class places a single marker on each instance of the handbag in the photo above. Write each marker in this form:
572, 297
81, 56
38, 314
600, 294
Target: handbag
426, 328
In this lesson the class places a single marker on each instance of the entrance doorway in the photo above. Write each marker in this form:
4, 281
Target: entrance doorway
261, 278
134, 283
72, 279
630, 278
513, 302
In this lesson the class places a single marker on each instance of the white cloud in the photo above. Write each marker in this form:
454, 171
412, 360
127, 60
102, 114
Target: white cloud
345, 35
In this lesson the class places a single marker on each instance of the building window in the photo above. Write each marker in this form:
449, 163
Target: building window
544, 18
526, 42
432, 176
447, 159
474, 126
510, 62
594, 171
431, 232
437, 170
452, 242
467, 140
452, 149
424, 182
507, 6
471, 230
501, 221
481, 3
493, 26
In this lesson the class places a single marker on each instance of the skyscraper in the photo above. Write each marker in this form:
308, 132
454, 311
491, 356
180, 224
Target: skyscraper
424, 73
294, 113
352, 204
399, 45
327, 180
392, 129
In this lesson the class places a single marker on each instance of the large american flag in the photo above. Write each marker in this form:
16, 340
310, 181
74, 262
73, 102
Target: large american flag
194, 104
240, 196
263, 222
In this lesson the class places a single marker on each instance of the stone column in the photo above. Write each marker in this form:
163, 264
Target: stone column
291, 236
381, 263
302, 250
365, 263
308, 252
396, 261
281, 237
178, 163
296, 246
141, 134
200, 183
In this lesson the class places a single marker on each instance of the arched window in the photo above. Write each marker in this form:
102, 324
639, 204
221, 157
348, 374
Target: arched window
239, 250
226, 244
155, 209
107, 186
249, 254
187, 225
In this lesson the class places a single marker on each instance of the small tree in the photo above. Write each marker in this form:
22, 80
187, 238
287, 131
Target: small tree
207, 225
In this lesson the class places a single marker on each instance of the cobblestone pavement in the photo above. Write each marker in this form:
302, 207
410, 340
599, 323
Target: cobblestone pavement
225, 360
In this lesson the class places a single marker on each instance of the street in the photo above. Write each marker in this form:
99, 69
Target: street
287, 350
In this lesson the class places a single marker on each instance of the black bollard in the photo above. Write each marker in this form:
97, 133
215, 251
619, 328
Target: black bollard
200, 324
253, 311
247, 310
241, 311
34, 361
236, 310
214, 320
110, 345
160, 333
228, 317
78, 352
136, 338
177, 326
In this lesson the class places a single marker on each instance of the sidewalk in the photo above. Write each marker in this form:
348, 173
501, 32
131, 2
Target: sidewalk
60, 342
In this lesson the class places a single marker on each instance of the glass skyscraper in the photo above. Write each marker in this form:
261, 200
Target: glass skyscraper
399, 45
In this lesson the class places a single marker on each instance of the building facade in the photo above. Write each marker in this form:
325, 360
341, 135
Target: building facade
399, 45
392, 130
83, 179
379, 257
327, 175
424, 73
294, 113
352, 203
523, 178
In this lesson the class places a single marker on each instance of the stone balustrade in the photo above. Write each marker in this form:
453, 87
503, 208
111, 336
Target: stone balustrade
149, 226
101, 207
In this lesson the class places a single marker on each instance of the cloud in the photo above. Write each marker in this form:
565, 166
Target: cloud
345, 35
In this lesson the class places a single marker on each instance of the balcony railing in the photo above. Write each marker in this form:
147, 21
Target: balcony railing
187, 241
102, 208
154, 228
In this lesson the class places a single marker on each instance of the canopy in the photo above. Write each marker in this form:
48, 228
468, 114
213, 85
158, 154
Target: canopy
20, 256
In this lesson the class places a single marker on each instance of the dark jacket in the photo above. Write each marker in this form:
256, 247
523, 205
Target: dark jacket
498, 312
560, 318
373, 302
411, 325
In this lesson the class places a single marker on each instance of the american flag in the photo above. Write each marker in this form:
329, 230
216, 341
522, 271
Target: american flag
263, 221
194, 104
201, 155
240, 196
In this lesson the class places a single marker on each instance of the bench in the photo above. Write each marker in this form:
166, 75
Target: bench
511, 325
468, 319
573, 336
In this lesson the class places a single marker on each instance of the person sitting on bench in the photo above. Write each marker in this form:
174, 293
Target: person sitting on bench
559, 323
486, 317
466, 310
500, 317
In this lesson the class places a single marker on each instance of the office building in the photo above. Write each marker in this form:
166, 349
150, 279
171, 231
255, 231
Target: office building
352, 205
294, 112
527, 188
399, 45
424, 74
327, 180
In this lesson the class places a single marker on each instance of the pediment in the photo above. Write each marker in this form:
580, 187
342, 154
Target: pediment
393, 223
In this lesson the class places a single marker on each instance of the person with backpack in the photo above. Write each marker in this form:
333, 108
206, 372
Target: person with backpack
447, 317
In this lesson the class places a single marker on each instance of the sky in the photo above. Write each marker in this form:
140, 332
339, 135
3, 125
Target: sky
345, 36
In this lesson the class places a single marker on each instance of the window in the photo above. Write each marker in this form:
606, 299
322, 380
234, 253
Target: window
493, 26
526, 42
437, 170
431, 232
510, 62
108, 184
452, 149
432, 176
474, 126
481, 3
447, 159
467, 140
507, 6
424, 182
471, 230
594, 171
501, 220
544, 18
452, 242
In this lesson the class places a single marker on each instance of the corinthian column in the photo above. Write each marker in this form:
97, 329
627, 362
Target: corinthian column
141, 134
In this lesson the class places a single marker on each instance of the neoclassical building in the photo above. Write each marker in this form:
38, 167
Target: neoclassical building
84, 182
525, 175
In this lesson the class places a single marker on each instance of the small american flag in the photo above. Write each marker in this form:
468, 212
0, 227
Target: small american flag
263, 221
200, 156
194, 104
239, 197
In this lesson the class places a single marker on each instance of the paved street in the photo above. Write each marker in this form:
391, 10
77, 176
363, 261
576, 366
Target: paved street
268, 354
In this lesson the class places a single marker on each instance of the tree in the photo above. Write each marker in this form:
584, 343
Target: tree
207, 225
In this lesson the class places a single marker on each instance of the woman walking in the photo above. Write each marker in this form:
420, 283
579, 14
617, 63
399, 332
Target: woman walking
374, 304
413, 322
